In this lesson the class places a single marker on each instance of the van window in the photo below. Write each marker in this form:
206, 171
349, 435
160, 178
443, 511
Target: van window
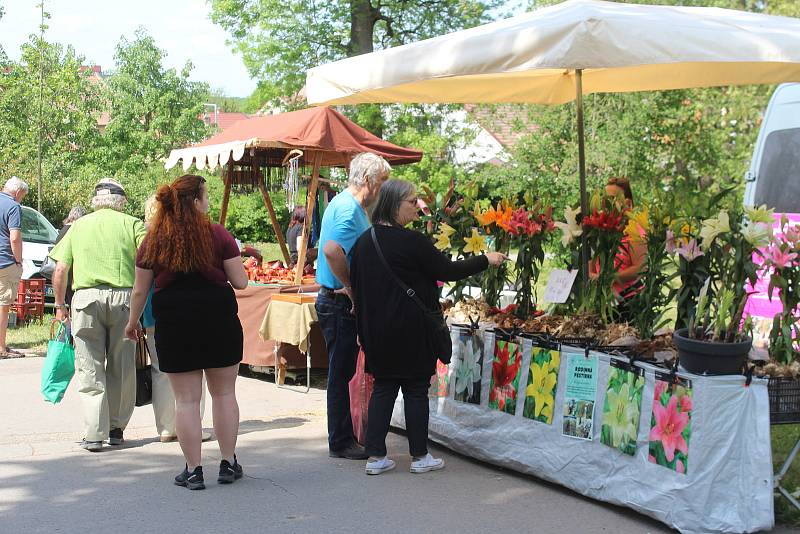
778, 176
37, 229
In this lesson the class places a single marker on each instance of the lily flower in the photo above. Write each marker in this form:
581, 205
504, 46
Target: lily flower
638, 226
757, 234
670, 423
442, 241
689, 250
475, 243
570, 229
779, 258
760, 214
670, 246
446, 229
713, 227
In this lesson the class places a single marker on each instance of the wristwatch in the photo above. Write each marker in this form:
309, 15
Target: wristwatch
61, 306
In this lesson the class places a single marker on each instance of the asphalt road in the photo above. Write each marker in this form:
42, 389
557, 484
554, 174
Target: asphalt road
49, 484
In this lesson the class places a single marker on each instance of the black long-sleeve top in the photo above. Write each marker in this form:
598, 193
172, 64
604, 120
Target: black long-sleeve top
390, 324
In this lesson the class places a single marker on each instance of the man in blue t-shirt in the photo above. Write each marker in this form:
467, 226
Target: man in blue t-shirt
10, 254
344, 221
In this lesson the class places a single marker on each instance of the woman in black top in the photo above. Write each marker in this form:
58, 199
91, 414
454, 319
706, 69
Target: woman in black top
390, 324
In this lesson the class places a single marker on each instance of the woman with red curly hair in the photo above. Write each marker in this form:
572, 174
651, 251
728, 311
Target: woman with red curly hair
194, 264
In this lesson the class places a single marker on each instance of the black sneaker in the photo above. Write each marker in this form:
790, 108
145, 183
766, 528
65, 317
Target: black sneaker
228, 473
115, 436
92, 446
193, 480
353, 452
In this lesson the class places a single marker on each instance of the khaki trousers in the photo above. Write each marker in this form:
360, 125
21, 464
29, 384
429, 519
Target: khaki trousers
104, 359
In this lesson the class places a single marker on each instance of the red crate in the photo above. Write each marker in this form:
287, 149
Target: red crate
31, 291
29, 312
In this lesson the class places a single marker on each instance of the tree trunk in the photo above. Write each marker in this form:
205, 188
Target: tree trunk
362, 24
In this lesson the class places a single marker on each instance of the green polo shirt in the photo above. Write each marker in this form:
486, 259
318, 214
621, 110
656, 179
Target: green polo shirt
101, 248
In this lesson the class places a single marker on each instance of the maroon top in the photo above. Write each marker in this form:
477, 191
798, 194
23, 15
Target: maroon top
225, 248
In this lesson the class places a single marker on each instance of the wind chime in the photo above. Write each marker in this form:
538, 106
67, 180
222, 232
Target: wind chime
291, 182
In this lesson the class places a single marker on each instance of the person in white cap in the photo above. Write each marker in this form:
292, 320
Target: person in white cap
101, 249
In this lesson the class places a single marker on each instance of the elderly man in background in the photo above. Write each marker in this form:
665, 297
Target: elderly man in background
10, 254
344, 221
101, 248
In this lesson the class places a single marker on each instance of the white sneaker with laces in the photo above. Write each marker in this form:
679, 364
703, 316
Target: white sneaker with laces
426, 463
379, 466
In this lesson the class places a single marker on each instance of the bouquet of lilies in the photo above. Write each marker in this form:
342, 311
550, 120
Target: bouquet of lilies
495, 222
728, 244
782, 265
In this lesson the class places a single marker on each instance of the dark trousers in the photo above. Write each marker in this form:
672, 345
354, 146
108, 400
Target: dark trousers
339, 330
415, 401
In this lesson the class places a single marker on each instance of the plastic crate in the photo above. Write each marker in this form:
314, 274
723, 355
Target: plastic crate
31, 291
784, 401
29, 312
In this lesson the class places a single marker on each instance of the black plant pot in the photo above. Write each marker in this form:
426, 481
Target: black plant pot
710, 357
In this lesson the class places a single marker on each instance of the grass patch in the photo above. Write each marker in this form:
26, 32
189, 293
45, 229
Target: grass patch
269, 251
33, 336
783, 439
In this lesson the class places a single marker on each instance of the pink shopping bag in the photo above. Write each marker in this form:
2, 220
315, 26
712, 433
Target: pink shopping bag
360, 392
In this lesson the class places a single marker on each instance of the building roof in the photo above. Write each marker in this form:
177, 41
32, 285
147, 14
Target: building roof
508, 123
223, 119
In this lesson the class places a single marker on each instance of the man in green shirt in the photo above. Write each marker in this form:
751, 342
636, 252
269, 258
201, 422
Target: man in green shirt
101, 250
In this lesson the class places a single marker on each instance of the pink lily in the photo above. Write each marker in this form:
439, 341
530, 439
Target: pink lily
670, 247
690, 251
779, 258
669, 424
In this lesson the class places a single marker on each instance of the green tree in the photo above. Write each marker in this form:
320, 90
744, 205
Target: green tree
70, 102
153, 109
280, 40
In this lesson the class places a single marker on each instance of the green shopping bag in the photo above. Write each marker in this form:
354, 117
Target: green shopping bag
59, 364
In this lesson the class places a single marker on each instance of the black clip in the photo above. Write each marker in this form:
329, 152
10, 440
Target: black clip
586, 352
748, 373
473, 324
673, 378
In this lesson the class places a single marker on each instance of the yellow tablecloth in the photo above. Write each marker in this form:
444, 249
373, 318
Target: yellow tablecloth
289, 323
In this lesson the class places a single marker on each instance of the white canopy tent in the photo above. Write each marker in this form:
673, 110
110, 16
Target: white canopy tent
559, 53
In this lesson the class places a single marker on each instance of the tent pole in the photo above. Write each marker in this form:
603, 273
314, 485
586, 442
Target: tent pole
274, 219
582, 168
226, 195
311, 202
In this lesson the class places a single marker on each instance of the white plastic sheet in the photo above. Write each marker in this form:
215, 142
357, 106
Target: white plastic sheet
728, 487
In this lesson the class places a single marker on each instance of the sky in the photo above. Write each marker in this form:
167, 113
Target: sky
93, 27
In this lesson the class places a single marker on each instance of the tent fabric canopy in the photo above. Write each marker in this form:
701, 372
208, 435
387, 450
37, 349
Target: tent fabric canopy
532, 58
320, 130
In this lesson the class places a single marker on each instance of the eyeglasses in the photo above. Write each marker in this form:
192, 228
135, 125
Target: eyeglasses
413, 201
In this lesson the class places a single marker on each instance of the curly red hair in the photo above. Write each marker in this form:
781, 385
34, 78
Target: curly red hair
179, 238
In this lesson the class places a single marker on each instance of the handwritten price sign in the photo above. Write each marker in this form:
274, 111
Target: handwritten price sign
559, 285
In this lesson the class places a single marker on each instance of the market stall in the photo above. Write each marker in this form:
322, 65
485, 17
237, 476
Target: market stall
529, 403
287, 150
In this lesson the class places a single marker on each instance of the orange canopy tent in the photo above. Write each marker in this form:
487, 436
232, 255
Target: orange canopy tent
320, 137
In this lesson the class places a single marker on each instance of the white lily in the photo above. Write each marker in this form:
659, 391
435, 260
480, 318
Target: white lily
468, 371
757, 234
713, 227
760, 214
570, 229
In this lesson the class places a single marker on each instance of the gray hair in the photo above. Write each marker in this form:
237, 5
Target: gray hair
114, 202
74, 214
15, 184
366, 168
393, 192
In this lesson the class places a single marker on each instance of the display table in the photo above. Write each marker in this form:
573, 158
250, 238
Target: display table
726, 486
291, 322
253, 303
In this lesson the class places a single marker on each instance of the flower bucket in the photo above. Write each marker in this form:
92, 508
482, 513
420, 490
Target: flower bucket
710, 357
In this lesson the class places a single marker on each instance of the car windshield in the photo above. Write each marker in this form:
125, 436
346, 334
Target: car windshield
779, 173
35, 228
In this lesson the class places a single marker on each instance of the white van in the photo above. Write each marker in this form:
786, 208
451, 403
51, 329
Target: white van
774, 180
774, 175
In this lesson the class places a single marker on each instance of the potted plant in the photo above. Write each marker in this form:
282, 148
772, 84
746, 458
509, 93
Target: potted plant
716, 340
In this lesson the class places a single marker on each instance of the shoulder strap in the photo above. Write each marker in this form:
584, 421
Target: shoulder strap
407, 290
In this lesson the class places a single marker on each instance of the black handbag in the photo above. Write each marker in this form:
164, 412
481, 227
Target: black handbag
437, 332
144, 376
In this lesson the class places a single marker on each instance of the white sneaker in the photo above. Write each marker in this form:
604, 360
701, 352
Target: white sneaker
379, 466
426, 463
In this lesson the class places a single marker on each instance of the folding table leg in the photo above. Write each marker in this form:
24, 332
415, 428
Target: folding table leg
777, 479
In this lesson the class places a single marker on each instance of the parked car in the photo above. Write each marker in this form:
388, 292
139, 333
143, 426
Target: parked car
38, 237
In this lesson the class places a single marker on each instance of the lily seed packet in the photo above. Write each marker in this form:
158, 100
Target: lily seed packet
506, 369
469, 363
540, 393
622, 407
671, 423
580, 391
440, 383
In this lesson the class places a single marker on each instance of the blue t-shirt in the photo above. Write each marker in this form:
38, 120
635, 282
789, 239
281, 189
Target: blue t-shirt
344, 221
10, 219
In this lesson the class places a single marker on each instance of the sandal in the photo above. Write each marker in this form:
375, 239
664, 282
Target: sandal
11, 353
